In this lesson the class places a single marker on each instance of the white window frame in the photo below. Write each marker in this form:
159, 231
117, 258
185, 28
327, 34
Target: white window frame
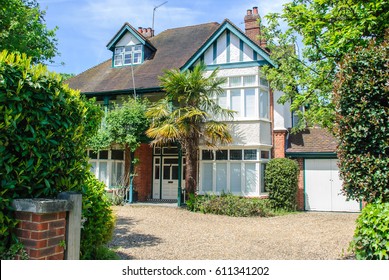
121, 52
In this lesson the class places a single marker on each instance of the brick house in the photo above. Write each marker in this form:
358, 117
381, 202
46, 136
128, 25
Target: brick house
259, 129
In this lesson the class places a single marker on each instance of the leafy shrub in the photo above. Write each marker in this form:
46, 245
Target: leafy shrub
281, 183
44, 131
98, 219
362, 123
371, 237
105, 253
229, 205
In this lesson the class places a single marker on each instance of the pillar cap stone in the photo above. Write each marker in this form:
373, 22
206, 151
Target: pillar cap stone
41, 205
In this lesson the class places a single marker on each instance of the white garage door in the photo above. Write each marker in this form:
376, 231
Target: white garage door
323, 187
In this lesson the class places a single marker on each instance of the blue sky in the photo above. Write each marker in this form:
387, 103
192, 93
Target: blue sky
86, 26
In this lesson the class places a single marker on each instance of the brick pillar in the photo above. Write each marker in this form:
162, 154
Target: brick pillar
279, 138
144, 171
43, 235
42, 227
300, 190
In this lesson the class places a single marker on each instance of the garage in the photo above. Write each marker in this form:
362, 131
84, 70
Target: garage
323, 187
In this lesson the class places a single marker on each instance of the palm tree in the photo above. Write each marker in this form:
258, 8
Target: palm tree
188, 113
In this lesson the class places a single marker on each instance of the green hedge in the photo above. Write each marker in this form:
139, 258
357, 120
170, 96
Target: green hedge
371, 237
44, 131
281, 183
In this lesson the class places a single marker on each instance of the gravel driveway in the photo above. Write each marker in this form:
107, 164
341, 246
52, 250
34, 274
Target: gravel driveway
167, 233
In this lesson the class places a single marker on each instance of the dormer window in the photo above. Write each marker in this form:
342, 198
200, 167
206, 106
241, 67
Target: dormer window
128, 55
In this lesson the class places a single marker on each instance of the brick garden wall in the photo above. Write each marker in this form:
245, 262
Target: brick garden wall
144, 171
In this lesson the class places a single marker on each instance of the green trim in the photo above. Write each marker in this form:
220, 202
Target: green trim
214, 52
311, 155
255, 55
224, 26
241, 48
228, 42
160, 174
237, 65
123, 91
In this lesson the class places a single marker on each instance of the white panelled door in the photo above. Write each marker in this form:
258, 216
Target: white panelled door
323, 187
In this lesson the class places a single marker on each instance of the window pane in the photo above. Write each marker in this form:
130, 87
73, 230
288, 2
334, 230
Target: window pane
157, 150
265, 154
128, 49
263, 104
137, 48
221, 177
137, 58
235, 101
249, 95
117, 154
166, 172
93, 154
103, 154
156, 172
249, 81
222, 100
157, 160
127, 59
207, 155
250, 178
118, 60
103, 172
119, 50
170, 150
170, 161
175, 172
222, 155
93, 167
117, 174
235, 81
263, 186
263, 82
235, 178
207, 178
250, 154
235, 154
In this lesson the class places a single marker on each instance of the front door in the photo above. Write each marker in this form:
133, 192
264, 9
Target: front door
169, 177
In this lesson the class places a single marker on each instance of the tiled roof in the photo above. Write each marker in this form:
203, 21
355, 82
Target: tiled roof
312, 140
174, 48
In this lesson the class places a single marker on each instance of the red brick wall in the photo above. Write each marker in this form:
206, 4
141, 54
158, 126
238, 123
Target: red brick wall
300, 190
42, 234
144, 170
279, 138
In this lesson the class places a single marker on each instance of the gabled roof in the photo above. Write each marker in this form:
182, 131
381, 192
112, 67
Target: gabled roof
228, 25
123, 30
312, 140
174, 47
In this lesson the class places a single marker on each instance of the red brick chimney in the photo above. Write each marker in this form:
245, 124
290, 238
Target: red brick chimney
252, 26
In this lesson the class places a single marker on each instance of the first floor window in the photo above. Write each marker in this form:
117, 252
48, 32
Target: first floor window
108, 166
127, 55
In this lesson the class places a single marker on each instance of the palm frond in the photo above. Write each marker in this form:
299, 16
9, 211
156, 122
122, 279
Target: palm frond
217, 132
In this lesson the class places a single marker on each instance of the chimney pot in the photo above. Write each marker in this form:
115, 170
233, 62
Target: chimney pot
249, 12
255, 10
140, 30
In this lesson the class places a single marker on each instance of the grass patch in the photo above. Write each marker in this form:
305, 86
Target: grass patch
231, 205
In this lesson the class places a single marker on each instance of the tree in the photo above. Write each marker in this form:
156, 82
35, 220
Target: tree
362, 123
124, 125
188, 113
329, 30
23, 30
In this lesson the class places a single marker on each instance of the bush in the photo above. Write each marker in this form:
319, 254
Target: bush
362, 123
98, 219
44, 131
229, 205
371, 237
281, 183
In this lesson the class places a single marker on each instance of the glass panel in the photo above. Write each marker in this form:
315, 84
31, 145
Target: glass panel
263, 104
207, 178
222, 155
263, 185
250, 178
128, 49
166, 172
118, 60
235, 101
117, 154
249, 81
235, 178
265, 154
157, 161
137, 58
119, 50
92, 154
170, 161
157, 150
222, 100
156, 172
175, 172
235, 81
103, 154
249, 95
93, 167
250, 154
263, 82
207, 155
170, 150
137, 48
221, 177
235, 154
127, 59
103, 172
